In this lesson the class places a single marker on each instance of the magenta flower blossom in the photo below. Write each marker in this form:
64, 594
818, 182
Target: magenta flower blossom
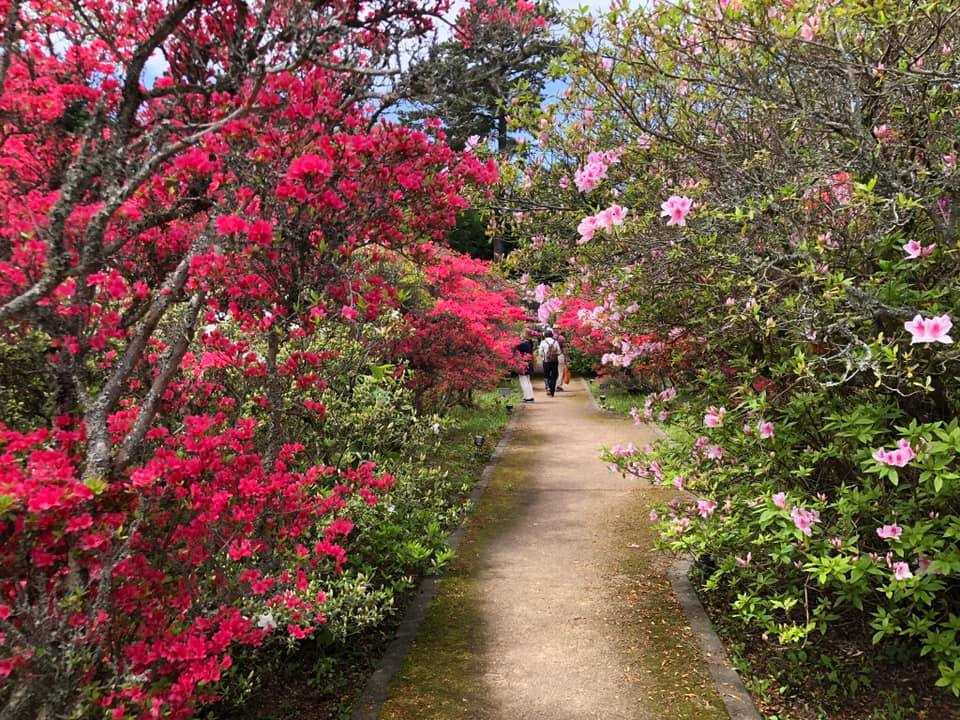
676, 208
915, 250
890, 532
627, 450
899, 457
901, 571
804, 519
705, 508
766, 429
936, 329
714, 416
540, 292
780, 500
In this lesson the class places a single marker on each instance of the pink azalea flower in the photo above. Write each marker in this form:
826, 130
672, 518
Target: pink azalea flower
676, 208
890, 532
627, 450
564, 182
935, 329
540, 292
915, 250
766, 429
714, 416
899, 457
678, 482
615, 214
883, 133
654, 516
705, 508
715, 452
745, 561
587, 228
901, 571
804, 519
950, 161
810, 27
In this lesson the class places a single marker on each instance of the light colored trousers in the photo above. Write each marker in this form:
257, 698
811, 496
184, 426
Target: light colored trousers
527, 387
561, 368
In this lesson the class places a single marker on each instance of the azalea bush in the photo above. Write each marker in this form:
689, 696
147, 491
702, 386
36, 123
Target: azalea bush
756, 203
196, 198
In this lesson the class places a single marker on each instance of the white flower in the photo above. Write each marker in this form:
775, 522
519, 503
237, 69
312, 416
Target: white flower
267, 622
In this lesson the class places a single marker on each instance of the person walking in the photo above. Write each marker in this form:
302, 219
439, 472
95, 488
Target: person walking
550, 354
562, 372
525, 348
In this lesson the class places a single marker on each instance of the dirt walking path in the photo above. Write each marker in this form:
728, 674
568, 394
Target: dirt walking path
557, 608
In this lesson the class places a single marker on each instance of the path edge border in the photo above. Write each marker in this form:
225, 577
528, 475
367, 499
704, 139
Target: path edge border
736, 698
596, 403
376, 690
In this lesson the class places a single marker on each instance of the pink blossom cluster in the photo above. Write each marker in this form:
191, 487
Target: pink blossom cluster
676, 208
604, 220
703, 447
705, 508
548, 308
630, 352
647, 414
619, 450
590, 175
934, 329
804, 519
890, 532
714, 416
899, 457
915, 250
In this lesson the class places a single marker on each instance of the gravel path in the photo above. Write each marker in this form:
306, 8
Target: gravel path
558, 608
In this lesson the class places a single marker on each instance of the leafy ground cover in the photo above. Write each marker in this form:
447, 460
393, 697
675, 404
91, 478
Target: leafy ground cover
864, 685
321, 678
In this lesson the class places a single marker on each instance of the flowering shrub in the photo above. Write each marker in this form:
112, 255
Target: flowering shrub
788, 261
194, 196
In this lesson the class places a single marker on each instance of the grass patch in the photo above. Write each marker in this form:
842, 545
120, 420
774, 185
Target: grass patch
614, 398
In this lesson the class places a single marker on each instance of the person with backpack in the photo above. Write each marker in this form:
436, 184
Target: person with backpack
550, 354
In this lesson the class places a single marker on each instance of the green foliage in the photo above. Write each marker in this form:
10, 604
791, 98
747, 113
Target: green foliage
25, 382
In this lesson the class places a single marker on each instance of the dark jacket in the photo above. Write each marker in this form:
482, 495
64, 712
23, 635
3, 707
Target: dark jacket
525, 348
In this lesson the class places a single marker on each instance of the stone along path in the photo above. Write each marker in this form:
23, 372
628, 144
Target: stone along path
557, 607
